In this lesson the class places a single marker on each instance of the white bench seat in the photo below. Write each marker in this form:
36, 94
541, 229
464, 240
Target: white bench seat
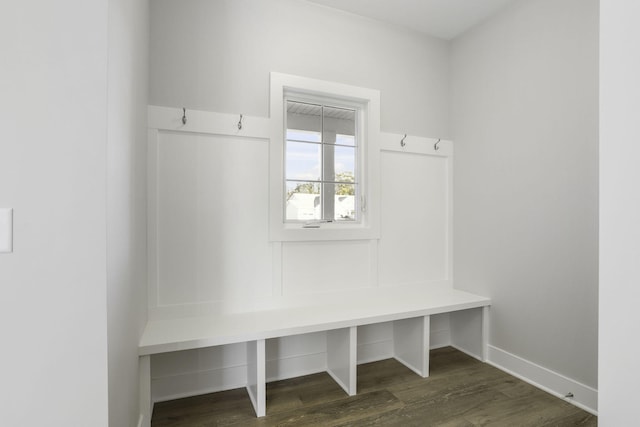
340, 313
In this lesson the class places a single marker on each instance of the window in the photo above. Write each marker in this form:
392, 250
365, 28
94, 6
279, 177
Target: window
323, 160
321, 157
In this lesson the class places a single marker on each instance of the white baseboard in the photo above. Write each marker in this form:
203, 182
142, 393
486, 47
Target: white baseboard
584, 397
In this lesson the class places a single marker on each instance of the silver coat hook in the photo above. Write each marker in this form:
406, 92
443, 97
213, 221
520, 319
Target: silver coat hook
435, 146
402, 143
184, 116
240, 123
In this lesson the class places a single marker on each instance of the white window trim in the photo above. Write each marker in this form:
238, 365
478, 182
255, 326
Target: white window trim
369, 225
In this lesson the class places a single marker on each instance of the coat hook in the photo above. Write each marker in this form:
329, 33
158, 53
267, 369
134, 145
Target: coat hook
402, 143
435, 146
184, 116
240, 123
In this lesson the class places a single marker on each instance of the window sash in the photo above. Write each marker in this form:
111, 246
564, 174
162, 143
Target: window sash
331, 206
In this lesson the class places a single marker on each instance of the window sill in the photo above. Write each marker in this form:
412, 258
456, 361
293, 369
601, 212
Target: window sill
323, 232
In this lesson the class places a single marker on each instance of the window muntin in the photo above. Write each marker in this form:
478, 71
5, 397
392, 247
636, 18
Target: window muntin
321, 162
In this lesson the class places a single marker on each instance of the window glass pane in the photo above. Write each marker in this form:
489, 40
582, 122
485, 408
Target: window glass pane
344, 161
303, 201
345, 139
304, 121
338, 122
303, 161
320, 162
345, 202
303, 135
339, 163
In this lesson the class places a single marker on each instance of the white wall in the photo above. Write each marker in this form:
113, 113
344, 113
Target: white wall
619, 372
525, 125
53, 319
217, 55
126, 202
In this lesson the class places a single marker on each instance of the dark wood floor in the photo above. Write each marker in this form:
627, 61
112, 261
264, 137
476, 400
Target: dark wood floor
460, 391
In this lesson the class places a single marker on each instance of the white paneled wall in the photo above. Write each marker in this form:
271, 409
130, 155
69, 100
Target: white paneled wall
186, 373
415, 225
310, 267
209, 246
211, 214
296, 355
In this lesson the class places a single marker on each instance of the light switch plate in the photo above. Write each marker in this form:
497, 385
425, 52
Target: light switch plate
6, 230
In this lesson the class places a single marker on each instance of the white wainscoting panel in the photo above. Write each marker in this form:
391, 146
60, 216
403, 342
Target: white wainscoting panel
467, 331
440, 331
211, 218
187, 373
296, 355
375, 342
415, 219
312, 267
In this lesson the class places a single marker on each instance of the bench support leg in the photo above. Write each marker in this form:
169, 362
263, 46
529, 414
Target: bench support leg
411, 343
341, 357
256, 378
485, 333
144, 376
470, 331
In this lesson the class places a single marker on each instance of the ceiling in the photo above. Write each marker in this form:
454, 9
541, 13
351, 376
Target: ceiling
445, 19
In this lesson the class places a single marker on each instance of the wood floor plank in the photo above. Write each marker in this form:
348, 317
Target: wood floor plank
578, 419
448, 413
349, 411
308, 390
447, 387
460, 392
227, 407
446, 360
528, 411
384, 374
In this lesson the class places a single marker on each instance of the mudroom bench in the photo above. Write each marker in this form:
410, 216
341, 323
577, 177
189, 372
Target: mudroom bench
409, 308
